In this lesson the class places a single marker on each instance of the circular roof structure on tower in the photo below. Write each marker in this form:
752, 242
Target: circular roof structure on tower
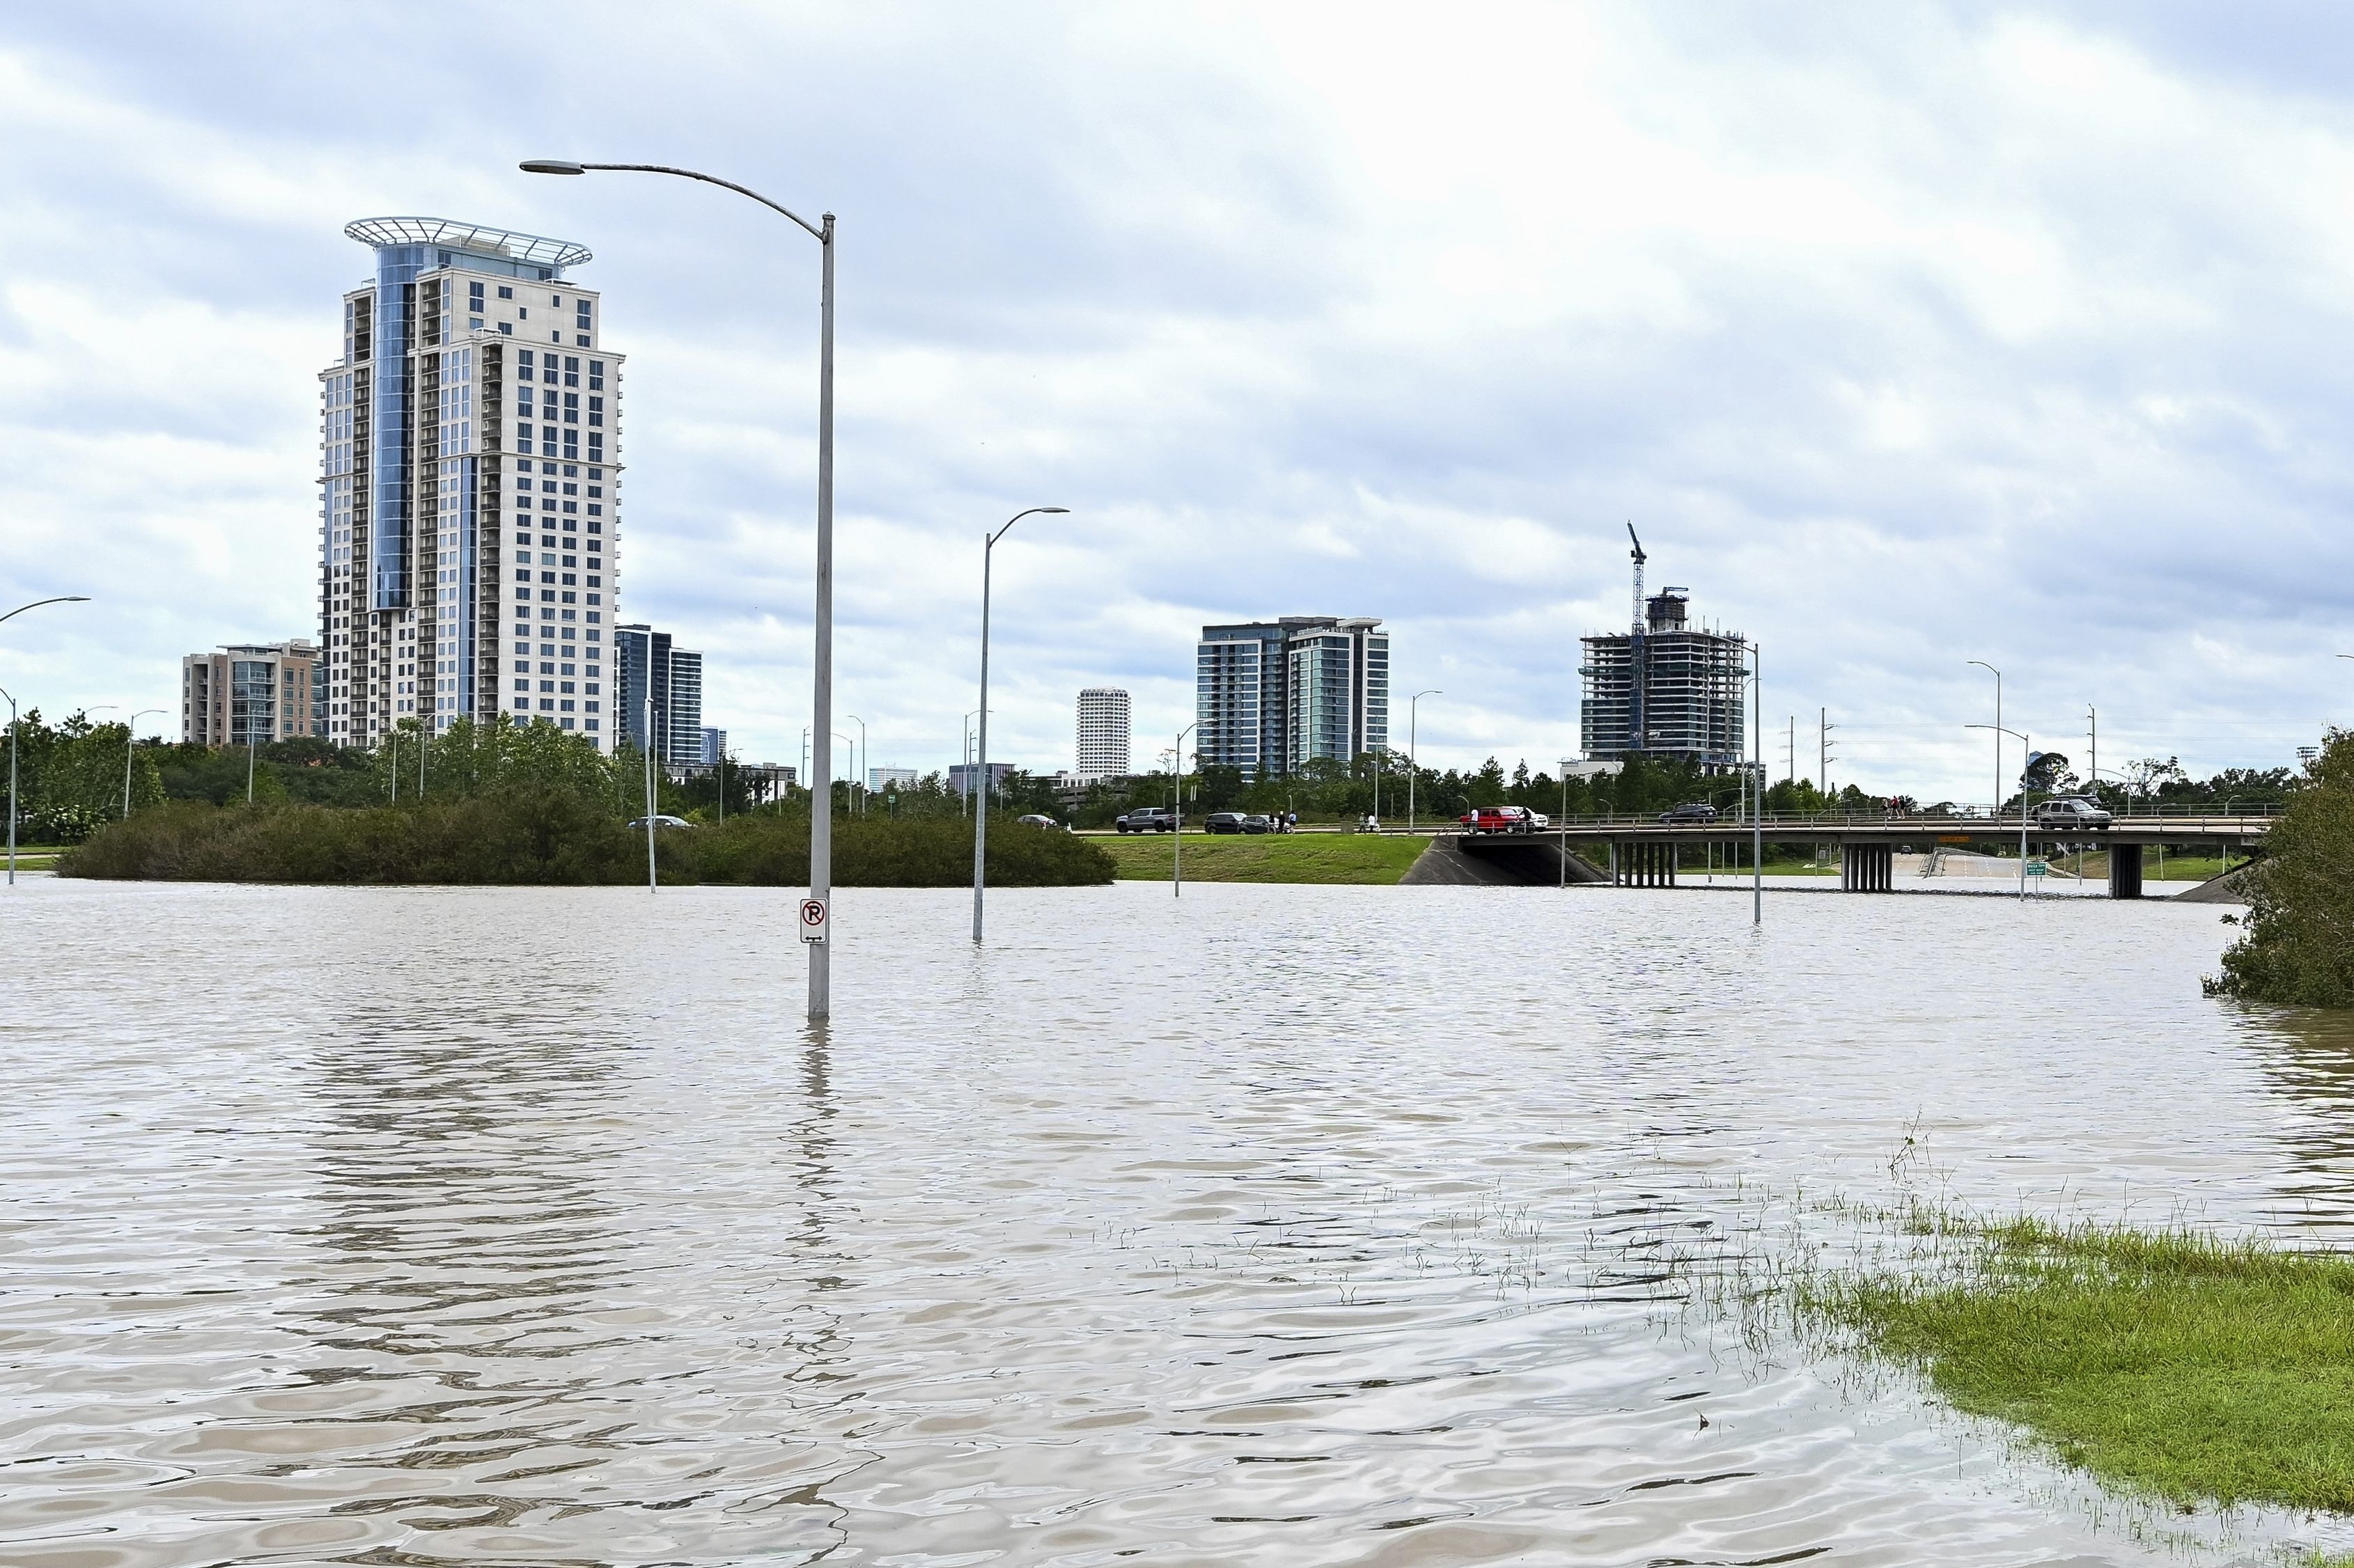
481, 239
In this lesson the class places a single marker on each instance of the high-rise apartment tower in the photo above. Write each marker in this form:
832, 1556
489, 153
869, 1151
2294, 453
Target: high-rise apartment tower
469, 495
1103, 734
1666, 689
647, 661
1271, 695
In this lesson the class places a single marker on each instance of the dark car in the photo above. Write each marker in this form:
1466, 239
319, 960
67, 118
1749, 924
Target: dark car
1690, 811
1222, 822
1037, 821
1258, 824
662, 821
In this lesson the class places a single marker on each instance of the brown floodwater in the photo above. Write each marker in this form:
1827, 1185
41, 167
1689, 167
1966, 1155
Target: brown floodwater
1279, 1225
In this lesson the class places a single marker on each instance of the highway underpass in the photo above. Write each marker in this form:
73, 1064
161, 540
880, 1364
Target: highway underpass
1642, 854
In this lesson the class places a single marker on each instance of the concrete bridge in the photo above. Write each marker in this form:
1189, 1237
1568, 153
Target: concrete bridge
1643, 853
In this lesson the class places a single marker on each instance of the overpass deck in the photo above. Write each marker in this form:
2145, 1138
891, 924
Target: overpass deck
2239, 828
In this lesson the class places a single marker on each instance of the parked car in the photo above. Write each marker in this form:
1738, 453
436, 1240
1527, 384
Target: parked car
1146, 820
1222, 822
2071, 812
662, 822
1539, 821
1499, 820
1035, 820
1258, 824
1697, 811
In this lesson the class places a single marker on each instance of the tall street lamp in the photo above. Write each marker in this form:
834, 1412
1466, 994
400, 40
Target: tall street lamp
1757, 771
859, 759
2026, 750
980, 817
60, 598
1412, 765
820, 891
1996, 725
1564, 822
130, 748
1177, 826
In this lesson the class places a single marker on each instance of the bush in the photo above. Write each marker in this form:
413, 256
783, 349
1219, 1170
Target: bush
2300, 943
549, 835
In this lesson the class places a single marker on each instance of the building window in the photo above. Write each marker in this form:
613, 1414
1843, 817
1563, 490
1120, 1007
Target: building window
506, 292
506, 331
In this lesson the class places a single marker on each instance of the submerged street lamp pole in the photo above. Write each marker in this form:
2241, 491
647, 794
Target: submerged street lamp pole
1177, 823
2026, 749
1996, 726
980, 817
60, 598
820, 999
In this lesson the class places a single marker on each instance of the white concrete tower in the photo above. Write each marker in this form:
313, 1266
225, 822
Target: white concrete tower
470, 511
1103, 734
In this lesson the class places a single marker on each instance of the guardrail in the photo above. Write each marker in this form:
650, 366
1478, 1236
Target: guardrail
1960, 822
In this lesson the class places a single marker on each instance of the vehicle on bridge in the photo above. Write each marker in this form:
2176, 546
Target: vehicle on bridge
1499, 820
2071, 811
1146, 820
1690, 811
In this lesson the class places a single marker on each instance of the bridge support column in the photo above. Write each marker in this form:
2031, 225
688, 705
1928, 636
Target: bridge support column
2125, 871
1867, 868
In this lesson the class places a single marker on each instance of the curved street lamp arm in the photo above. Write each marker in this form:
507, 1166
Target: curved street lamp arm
559, 166
61, 599
1017, 517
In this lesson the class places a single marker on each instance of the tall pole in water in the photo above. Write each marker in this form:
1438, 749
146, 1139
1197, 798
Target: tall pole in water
821, 955
1637, 730
1758, 817
2026, 749
1177, 823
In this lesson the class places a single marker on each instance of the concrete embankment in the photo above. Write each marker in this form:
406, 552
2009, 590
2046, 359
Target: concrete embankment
1496, 861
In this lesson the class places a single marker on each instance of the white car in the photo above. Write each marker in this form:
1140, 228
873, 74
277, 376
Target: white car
2071, 812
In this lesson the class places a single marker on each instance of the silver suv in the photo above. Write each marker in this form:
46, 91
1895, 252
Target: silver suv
2071, 812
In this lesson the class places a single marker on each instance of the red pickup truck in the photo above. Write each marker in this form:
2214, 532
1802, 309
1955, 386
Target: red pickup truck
1499, 820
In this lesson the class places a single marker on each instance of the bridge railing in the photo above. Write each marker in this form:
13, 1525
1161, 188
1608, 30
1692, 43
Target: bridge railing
2233, 815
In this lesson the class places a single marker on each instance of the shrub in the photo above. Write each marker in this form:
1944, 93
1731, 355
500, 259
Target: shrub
2298, 946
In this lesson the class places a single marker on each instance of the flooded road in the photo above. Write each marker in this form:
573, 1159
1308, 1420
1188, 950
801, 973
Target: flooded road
1285, 1224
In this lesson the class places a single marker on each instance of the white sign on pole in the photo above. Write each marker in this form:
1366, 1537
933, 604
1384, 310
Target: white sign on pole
813, 920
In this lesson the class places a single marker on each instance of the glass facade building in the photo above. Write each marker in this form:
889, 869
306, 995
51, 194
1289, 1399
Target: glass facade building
1270, 696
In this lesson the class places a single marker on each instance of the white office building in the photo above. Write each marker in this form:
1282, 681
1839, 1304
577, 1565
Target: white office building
881, 779
469, 496
1103, 734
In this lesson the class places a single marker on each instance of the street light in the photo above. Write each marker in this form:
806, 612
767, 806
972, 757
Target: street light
820, 891
1177, 832
980, 817
130, 746
858, 758
61, 598
2025, 749
1997, 724
1564, 821
1412, 766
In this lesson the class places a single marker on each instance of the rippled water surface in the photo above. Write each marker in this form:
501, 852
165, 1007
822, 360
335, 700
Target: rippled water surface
1284, 1225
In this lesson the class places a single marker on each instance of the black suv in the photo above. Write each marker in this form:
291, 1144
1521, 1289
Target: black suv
1222, 822
1690, 811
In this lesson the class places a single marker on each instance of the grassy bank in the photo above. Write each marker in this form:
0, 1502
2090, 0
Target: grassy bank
552, 836
2169, 1363
1370, 858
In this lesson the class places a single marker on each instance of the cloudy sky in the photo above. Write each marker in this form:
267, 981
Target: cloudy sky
1906, 335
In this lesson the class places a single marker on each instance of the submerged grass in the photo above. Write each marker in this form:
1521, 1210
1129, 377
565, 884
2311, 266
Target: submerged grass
2169, 1363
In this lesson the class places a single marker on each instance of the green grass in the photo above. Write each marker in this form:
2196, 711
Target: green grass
1375, 858
2167, 1364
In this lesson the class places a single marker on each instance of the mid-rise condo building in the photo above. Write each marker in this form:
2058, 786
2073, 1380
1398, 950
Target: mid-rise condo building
1666, 689
1271, 695
470, 511
252, 693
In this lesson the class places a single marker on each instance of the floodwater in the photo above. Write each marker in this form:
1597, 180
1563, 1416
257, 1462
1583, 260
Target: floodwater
1279, 1225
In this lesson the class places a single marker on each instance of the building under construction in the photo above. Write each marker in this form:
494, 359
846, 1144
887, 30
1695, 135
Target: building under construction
1665, 688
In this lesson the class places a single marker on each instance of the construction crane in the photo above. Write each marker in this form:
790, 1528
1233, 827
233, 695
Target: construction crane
1638, 665
1638, 554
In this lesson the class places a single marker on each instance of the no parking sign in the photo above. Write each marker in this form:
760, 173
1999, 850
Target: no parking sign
813, 920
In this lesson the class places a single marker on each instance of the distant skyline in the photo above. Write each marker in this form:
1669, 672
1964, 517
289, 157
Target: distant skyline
1907, 334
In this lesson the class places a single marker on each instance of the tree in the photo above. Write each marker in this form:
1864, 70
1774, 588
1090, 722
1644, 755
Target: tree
2299, 942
